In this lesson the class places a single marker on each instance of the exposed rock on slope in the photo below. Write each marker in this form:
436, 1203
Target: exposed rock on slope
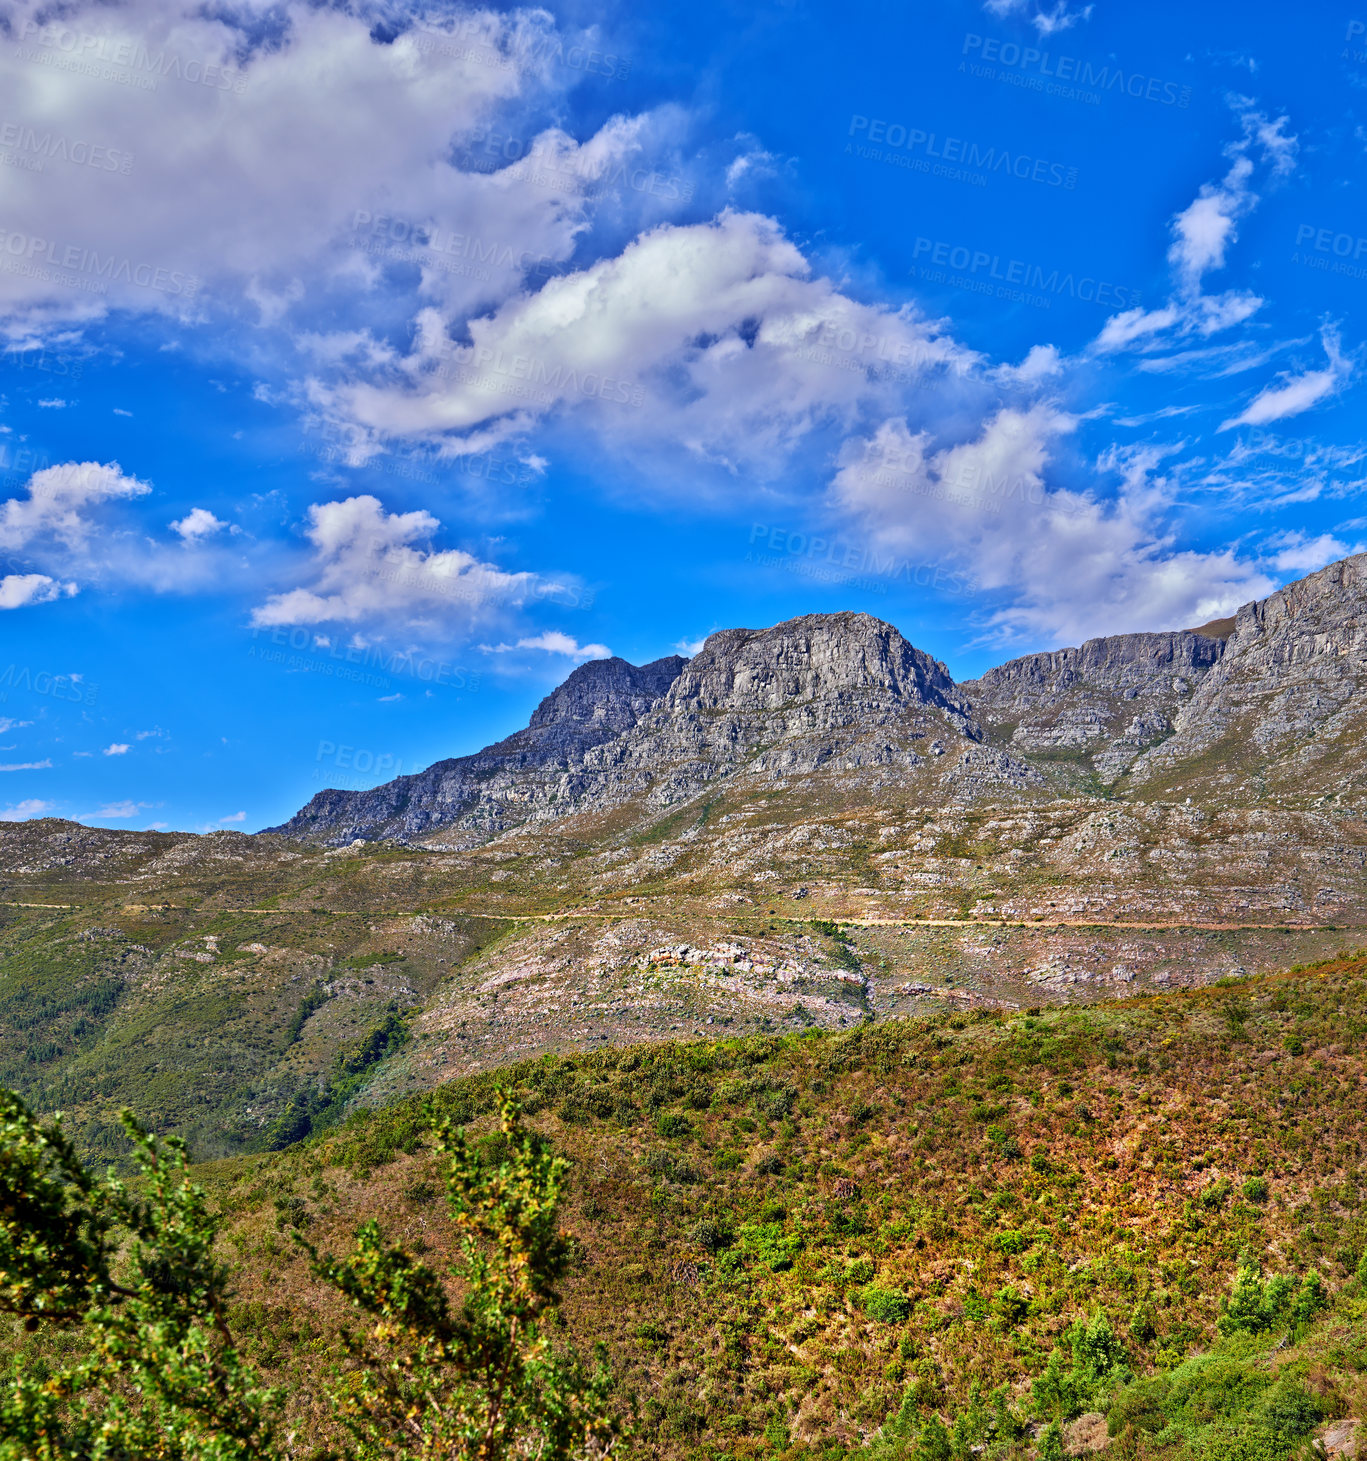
1269, 699
1099, 705
826, 691
500, 786
1284, 709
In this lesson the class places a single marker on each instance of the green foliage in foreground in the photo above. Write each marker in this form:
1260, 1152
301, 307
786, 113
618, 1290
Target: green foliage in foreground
160, 1373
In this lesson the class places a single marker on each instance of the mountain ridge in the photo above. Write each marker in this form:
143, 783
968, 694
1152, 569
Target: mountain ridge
845, 691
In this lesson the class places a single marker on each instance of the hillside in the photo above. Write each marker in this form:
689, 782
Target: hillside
788, 1242
804, 826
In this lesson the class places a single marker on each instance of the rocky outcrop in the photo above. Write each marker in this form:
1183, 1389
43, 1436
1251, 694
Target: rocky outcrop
496, 788
1285, 707
1098, 706
1272, 697
825, 691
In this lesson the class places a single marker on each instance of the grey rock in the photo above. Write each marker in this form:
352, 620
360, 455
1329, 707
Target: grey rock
484, 794
1098, 706
1285, 706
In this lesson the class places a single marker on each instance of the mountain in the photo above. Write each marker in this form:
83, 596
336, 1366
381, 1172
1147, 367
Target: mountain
1283, 712
482, 795
809, 824
1099, 706
1269, 700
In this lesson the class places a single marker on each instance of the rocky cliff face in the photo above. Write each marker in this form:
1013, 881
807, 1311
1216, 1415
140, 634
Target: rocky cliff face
1098, 706
1272, 700
1284, 710
496, 788
826, 691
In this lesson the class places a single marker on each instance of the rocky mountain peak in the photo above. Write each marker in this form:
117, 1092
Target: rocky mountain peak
602, 698
836, 660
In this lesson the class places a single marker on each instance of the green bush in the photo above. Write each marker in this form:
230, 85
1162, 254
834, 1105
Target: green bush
886, 1305
1256, 1189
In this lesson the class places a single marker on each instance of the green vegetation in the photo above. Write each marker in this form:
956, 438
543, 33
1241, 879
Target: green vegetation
133, 1278
913, 1238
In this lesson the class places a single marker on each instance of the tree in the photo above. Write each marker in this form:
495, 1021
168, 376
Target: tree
479, 1382
132, 1275
160, 1374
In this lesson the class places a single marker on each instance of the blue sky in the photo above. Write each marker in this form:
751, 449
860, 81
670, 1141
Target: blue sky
365, 369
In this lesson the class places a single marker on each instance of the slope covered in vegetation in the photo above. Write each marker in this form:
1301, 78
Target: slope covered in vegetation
981, 1222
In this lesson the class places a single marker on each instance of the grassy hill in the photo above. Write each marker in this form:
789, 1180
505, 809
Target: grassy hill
791, 1244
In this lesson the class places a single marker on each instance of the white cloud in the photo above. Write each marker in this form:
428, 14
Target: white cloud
713, 336
1072, 564
266, 173
1296, 552
53, 403
1202, 234
59, 501
232, 817
18, 590
119, 748
28, 766
119, 411
114, 812
1297, 393
553, 642
197, 524
367, 570
1046, 21
22, 811
7, 724
690, 647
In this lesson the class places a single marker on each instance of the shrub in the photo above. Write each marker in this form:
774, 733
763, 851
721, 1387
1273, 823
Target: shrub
672, 1123
1256, 1189
886, 1305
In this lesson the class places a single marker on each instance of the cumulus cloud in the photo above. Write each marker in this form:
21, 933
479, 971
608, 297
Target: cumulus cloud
197, 524
553, 642
1298, 553
59, 503
232, 817
119, 748
18, 590
371, 567
716, 336
27, 766
1073, 564
369, 120
1297, 393
23, 810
